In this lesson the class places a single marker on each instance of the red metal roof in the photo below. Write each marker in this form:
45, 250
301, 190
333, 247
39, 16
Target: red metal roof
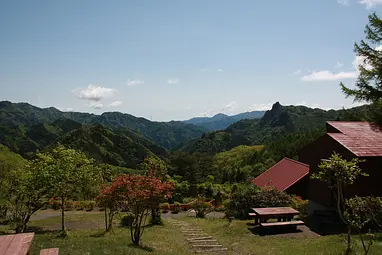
282, 175
361, 138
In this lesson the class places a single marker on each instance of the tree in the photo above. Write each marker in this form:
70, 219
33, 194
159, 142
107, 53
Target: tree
110, 203
158, 168
72, 170
369, 60
138, 194
364, 212
29, 187
338, 173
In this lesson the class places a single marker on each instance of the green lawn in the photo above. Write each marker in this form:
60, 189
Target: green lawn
168, 239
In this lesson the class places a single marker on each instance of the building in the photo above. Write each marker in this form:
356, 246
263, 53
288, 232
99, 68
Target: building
287, 175
350, 139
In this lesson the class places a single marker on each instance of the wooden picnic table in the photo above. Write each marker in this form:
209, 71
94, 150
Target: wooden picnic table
18, 244
281, 213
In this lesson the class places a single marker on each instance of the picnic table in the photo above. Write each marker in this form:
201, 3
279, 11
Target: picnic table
18, 244
281, 213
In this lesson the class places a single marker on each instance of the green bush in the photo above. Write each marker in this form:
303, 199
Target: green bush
187, 200
202, 208
249, 196
89, 205
300, 205
177, 208
165, 207
69, 206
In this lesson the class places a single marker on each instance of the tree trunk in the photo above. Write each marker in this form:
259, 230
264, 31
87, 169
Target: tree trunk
340, 198
62, 214
25, 222
156, 216
106, 227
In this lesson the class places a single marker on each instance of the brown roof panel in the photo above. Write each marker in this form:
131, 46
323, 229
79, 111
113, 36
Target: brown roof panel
361, 138
282, 175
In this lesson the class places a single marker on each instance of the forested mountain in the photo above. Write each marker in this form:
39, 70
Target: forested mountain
222, 121
121, 148
20, 116
277, 123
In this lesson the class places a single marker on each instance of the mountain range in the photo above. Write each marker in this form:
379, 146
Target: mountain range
222, 121
125, 140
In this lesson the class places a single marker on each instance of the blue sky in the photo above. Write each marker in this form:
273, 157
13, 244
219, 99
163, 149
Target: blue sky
178, 59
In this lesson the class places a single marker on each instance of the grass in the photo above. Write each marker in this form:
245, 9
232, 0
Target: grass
86, 236
239, 240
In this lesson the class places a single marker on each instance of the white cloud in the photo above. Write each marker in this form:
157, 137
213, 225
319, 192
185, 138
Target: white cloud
297, 71
343, 2
230, 107
134, 82
308, 105
203, 70
220, 70
260, 107
338, 65
95, 105
370, 3
173, 81
94, 92
329, 76
115, 104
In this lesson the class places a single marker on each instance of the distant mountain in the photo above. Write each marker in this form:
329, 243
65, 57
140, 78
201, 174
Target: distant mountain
277, 123
165, 134
222, 121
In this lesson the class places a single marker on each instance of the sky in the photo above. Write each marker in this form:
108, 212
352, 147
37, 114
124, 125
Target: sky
177, 59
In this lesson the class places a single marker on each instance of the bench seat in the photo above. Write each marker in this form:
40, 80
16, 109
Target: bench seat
283, 223
50, 251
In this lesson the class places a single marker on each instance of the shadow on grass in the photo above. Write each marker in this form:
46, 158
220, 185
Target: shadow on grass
273, 231
40, 230
141, 247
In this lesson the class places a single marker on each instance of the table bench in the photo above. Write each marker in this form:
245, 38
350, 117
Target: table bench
50, 251
18, 244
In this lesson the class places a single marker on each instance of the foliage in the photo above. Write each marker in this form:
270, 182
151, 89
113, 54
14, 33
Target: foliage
72, 172
276, 123
364, 212
166, 134
202, 208
137, 194
338, 173
25, 187
250, 196
300, 205
368, 84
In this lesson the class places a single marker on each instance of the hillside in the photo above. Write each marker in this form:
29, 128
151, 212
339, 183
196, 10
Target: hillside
121, 148
221, 121
276, 123
20, 116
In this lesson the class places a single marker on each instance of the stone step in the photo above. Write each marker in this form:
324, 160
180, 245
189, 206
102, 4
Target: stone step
203, 241
200, 238
207, 245
212, 250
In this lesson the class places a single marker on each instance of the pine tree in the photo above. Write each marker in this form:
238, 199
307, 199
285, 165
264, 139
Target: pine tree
369, 82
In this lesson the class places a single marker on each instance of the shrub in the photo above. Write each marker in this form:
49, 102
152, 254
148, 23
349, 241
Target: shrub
187, 200
177, 208
69, 206
165, 207
78, 205
89, 205
202, 208
300, 205
247, 197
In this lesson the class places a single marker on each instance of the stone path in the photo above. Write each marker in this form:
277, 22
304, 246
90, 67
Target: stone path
198, 240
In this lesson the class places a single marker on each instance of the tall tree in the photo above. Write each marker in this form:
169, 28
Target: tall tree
369, 61
72, 170
338, 173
